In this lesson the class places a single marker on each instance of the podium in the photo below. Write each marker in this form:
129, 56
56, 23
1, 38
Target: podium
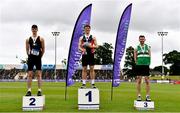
88, 99
144, 105
33, 103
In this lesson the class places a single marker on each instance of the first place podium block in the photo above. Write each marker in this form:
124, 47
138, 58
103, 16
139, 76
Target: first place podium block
88, 99
144, 105
33, 103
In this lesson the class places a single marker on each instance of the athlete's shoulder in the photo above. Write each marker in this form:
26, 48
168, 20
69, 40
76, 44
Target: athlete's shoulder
81, 37
41, 38
93, 37
27, 39
138, 46
148, 46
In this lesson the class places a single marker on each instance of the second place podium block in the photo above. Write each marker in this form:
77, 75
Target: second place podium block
33, 103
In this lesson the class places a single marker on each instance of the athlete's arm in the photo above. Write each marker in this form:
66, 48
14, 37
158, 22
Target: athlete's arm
94, 46
135, 55
27, 46
150, 52
95, 43
80, 45
43, 46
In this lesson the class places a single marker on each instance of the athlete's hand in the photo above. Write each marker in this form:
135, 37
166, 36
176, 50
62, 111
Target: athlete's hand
91, 46
86, 44
83, 50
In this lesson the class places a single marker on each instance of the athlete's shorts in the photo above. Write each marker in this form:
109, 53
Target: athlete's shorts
88, 59
34, 61
142, 70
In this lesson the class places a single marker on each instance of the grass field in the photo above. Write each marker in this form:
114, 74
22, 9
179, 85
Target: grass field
165, 96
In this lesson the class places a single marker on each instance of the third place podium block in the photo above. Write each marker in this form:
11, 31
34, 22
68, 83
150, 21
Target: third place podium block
33, 103
88, 99
144, 105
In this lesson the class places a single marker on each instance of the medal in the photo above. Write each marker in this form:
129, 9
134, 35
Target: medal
34, 41
142, 49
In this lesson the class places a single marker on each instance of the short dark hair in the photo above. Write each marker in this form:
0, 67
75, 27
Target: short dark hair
141, 36
34, 26
87, 25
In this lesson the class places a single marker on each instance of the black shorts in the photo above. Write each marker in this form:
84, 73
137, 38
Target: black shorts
88, 59
142, 70
34, 61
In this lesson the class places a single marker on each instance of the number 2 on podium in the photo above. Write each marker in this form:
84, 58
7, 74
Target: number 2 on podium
32, 103
89, 94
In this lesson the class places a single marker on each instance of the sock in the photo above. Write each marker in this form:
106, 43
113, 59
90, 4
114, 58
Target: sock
139, 95
147, 95
39, 89
84, 81
29, 89
92, 81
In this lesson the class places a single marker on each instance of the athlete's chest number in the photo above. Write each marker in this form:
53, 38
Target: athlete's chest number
35, 52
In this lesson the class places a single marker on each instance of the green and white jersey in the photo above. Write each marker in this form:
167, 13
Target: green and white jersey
143, 57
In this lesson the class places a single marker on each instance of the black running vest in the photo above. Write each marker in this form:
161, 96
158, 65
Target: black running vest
91, 41
35, 47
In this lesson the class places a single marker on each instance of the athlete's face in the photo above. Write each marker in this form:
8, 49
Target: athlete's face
87, 30
34, 30
142, 40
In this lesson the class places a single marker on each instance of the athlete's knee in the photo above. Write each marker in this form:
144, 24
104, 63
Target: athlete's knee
138, 79
39, 73
92, 68
147, 80
84, 68
30, 74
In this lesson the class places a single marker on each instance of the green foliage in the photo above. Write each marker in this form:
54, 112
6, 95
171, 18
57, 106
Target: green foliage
103, 54
159, 69
129, 62
173, 58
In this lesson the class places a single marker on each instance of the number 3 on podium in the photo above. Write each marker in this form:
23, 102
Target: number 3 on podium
145, 104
